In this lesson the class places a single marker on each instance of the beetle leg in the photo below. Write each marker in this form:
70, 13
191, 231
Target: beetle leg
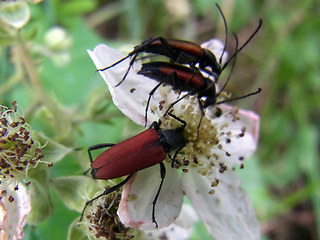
98, 146
165, 43
107, 191
155, 125
149, 99
130, 65
162, 175
174, 76
202, 115
174, 160
184, 123
175, 102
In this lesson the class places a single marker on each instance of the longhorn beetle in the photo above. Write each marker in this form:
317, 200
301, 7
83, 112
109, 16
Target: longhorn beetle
144, 150
178, 51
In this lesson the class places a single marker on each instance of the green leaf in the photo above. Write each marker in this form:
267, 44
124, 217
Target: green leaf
74, 191
41, 203
53, 151
76, 7
77, 231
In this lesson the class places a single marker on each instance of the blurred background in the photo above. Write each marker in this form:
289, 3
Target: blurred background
44, 66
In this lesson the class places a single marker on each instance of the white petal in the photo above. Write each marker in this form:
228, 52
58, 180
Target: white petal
14, 214
228, 213
181, 229
216, 47
239, 148
141, 190
252, 122
131, 96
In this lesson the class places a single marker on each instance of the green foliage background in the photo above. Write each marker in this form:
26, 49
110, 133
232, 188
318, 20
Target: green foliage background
71, 104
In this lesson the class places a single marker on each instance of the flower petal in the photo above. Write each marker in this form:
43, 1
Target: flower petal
135, 208
181, 229
228, 213
241, 133
131, 96
14, 214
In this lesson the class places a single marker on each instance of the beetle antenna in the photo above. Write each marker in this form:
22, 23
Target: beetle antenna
232, 67
238, 98
184, 123
226, 32
245, 44
112, 65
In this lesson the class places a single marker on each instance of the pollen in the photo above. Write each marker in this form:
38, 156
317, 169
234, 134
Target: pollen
18, 150
103, 221
206, 141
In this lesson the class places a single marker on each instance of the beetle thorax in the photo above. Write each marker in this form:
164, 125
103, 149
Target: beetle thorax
210, 60
172, 139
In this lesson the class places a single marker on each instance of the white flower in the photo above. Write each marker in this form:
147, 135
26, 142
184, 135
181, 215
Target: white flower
180, 229
19, 152
207, 162
15, 206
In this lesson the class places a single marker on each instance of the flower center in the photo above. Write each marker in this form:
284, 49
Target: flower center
203, 151
18, 151
103, 220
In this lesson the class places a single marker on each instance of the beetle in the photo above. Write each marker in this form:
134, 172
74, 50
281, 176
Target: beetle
178, 51
180, 78
183, 79
144, 150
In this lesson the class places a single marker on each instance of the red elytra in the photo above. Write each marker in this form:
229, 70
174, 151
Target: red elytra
139, 152
181, 78
178, 51
129, 156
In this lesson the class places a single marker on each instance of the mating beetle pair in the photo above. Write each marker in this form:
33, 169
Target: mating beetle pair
180, 77
178, 51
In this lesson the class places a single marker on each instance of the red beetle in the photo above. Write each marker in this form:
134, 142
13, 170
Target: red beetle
144, 150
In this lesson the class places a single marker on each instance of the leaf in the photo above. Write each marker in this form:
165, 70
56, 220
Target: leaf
41, 203
77, 231
53, 151
74, 191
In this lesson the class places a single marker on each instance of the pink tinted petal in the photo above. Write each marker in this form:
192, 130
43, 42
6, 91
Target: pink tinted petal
216, 47
14, 214
137, 211
236, 147
132, 95
250, 119
228, 213
3, 218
